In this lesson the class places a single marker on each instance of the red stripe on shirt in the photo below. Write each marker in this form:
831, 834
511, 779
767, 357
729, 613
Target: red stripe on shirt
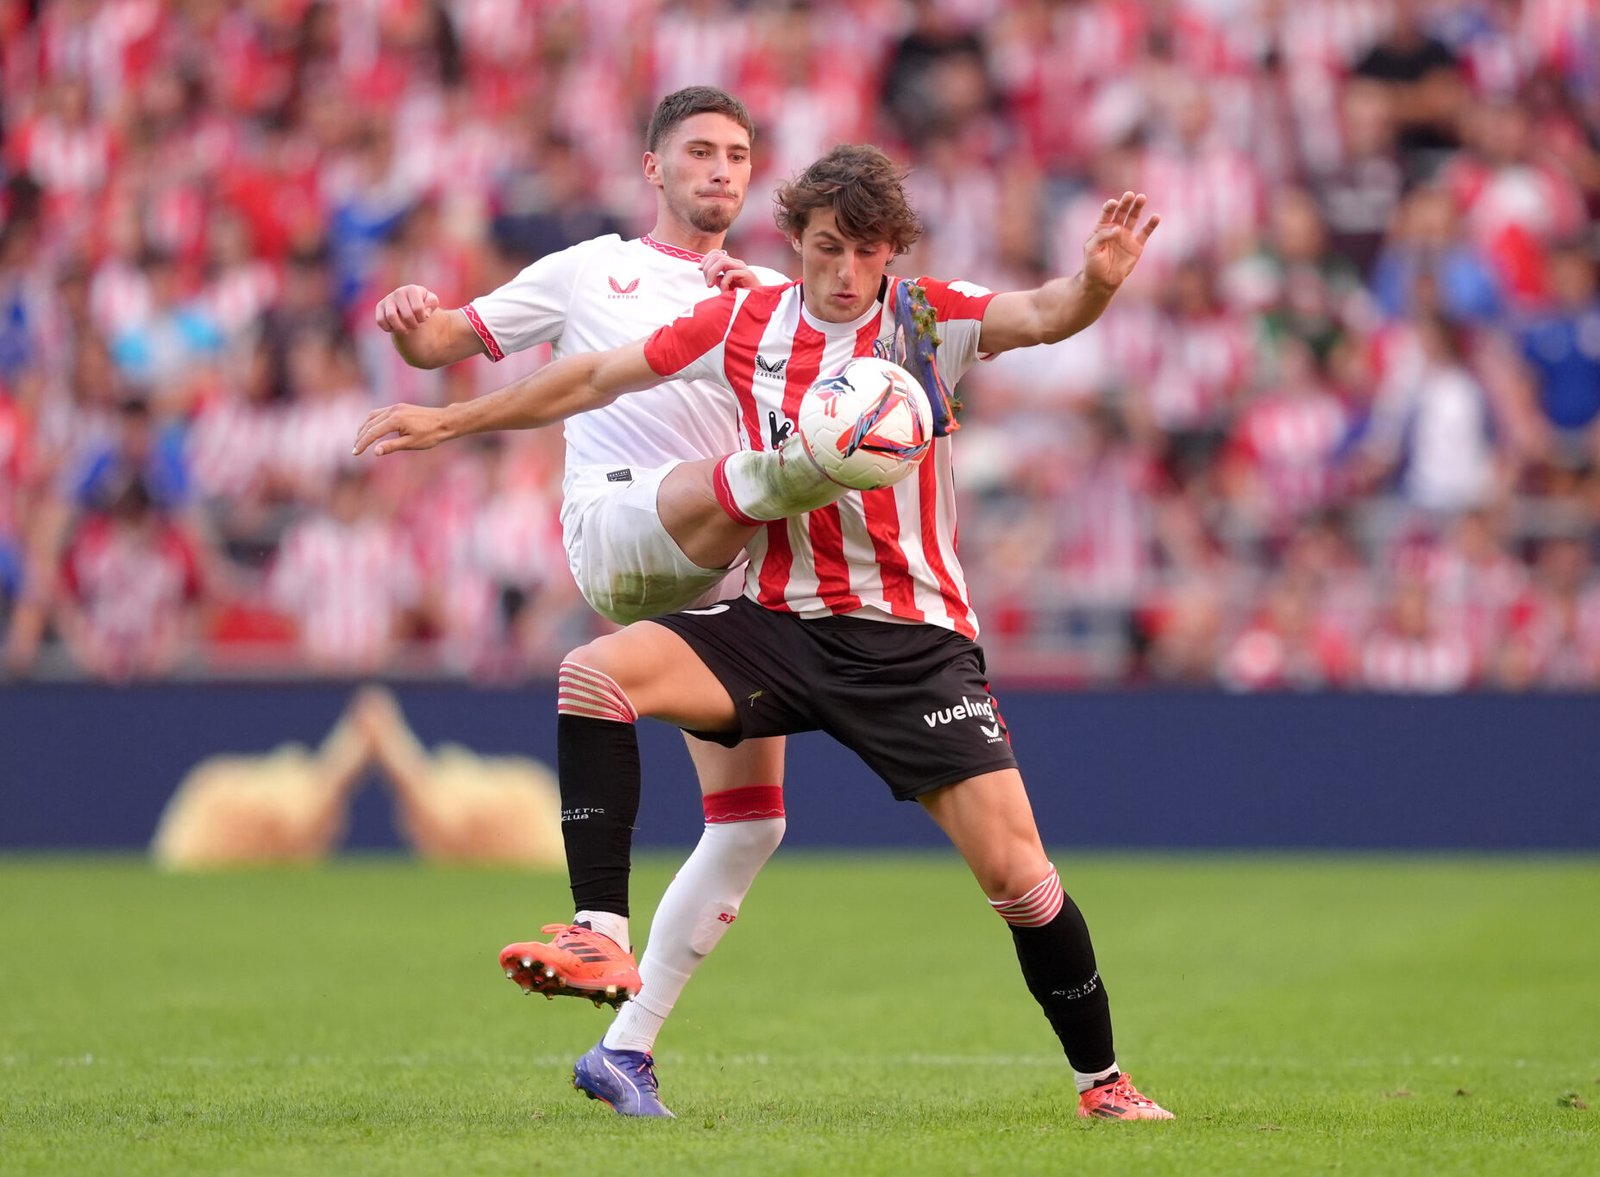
805, 360
739, 362
672, 348
928, 496
827, 531
883, 526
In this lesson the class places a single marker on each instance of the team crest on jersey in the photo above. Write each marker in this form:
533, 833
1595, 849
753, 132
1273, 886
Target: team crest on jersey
773, 370
621, 291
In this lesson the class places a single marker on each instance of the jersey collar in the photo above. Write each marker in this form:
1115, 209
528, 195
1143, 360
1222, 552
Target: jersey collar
687, 255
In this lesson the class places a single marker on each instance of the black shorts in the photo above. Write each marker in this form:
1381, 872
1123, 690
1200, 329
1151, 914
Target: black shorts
910, 700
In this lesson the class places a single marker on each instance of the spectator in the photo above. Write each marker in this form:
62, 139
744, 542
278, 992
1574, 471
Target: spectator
133, 591
1554, 642
1411, 651
545, 208
348, 579
167, 352
1287, 645
1428, 246
1433, 428
1423, 82
1561, 346
936, 75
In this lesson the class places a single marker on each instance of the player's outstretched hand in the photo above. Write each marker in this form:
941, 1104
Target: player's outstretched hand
406, 309
415, 427
1115, 246
726, 272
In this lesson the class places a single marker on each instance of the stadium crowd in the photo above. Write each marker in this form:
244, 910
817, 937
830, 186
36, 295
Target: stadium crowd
1342, 430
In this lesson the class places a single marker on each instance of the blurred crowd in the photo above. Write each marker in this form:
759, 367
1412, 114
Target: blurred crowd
1341, 429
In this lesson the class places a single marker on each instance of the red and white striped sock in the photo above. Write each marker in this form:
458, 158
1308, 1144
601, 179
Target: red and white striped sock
743, 828
593, 694
1035, 909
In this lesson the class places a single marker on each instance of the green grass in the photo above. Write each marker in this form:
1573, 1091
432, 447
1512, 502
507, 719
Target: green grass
1361, 1015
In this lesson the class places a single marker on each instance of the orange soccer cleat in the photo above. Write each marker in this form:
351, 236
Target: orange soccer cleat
576, 962
1118, 1099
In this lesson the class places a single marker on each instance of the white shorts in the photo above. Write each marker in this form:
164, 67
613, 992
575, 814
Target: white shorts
627, 567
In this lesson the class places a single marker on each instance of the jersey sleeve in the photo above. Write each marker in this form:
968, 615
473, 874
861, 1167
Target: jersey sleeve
691, 346
959, 308
532, 307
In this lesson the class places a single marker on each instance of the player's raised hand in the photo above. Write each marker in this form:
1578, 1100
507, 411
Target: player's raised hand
1117, 243
415, 427
406, 308
726, 272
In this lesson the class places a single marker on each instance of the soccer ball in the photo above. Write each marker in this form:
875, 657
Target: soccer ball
866, 425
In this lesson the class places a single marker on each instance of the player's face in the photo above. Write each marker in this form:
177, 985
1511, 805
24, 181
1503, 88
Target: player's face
703, 171
841, 275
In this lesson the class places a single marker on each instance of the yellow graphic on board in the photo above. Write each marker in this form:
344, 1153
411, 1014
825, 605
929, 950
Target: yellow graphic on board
293, 804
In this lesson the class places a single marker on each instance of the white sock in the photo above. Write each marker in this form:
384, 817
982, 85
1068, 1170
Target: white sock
698, 907
608, 924
764, 485
1085, 1082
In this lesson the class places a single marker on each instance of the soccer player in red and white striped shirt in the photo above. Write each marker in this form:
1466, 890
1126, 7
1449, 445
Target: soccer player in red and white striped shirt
855, 618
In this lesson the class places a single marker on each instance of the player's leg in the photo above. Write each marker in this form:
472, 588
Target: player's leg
990, 821
743, 804
712, 507
743, 801
604, 687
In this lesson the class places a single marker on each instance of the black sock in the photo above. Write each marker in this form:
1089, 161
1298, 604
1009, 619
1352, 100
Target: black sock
1058, 965
598, 761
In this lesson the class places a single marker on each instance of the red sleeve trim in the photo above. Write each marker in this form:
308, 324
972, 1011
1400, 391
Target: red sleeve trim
672, 348
490, 344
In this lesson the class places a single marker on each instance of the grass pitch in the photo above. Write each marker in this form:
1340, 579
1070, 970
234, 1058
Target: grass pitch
1371, 1015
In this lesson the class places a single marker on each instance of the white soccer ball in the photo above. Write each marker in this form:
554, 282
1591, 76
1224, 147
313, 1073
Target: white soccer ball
866, 425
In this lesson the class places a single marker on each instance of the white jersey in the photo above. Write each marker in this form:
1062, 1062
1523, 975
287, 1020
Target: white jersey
602, 294
888, 553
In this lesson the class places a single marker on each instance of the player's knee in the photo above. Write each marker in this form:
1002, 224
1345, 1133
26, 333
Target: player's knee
585, 689
1034, 906
1012, 876
761, 837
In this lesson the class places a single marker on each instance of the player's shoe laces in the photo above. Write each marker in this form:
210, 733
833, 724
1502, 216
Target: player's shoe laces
577, 962
623, 1080
1118, 1099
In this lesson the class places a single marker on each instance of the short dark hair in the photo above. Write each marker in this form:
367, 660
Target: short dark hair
688, 102
864, 188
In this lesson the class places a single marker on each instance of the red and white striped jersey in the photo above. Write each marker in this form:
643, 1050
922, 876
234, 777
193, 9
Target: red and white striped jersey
885, 553
1292, 440
1435, 665
345, 584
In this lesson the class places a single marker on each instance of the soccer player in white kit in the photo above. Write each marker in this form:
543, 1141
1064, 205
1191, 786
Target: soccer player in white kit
637, 549
855, 618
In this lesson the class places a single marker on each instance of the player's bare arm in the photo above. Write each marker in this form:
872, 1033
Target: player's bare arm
423, 334
560, 390
1065, 306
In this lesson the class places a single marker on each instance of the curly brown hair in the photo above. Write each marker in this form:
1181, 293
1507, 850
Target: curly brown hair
864, 188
